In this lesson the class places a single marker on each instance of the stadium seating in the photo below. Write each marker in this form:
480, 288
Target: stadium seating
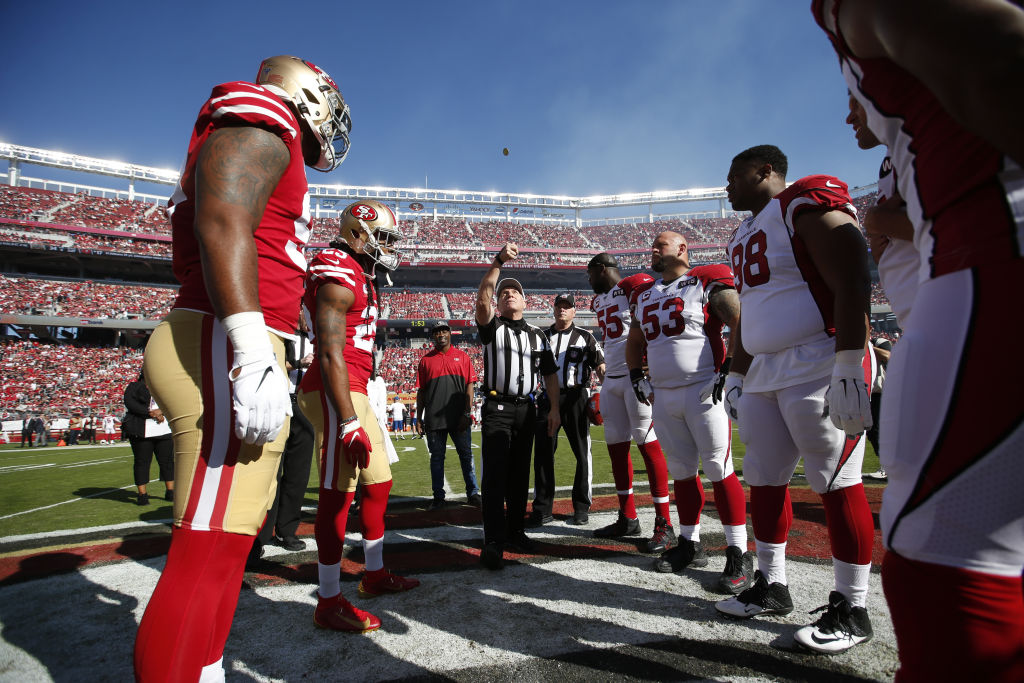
32, 296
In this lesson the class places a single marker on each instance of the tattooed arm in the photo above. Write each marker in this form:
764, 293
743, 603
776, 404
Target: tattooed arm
332, 304
237, 170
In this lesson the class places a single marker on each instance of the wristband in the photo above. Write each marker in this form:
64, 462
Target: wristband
349, 419
350, 425
499, 261
248, 334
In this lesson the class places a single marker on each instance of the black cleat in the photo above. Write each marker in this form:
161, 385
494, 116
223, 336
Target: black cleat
738, 574
664, 537
761, 598
620, 527
686, 554
838, 629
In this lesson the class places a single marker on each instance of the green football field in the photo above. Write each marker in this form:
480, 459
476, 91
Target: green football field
51, 489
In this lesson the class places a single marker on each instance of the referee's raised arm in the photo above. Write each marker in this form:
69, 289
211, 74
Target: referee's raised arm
484, 310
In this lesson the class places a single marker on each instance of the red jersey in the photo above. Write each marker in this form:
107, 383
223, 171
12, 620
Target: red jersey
338, 267
284, 228
442, 378
613, 316
684, 338
962, 194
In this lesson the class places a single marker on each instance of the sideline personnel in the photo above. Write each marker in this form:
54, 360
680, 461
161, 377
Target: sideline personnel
516, 354
577, 354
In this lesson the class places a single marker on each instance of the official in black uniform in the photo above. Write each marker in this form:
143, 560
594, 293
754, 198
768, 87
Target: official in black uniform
577, 354
516, 355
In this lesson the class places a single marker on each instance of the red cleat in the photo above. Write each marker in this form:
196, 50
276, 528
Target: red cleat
338, 614
379, 583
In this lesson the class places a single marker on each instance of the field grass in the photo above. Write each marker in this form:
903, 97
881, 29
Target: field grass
55, 489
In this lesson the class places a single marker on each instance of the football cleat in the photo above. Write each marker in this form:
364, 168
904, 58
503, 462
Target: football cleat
761, 598
338, 614
620, 527
738, 573
686, 554
838, 629
664, 537
379, 583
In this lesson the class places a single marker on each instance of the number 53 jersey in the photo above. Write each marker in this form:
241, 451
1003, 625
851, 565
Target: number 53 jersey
684, 338
784, 301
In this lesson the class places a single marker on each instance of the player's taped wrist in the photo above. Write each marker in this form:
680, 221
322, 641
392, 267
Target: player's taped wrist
349, 425
249, 339
849, 363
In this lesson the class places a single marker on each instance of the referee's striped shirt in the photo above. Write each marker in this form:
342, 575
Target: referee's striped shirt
577, 353
516, 357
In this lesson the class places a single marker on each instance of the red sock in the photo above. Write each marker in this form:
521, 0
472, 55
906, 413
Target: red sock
622, 472
372, 508
771, 512
851, 528
329, 528
689, 500
189, 616
973, 632
730, 501
657, 476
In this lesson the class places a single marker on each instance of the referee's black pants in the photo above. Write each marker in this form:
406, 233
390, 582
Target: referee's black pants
573, 412
507, 442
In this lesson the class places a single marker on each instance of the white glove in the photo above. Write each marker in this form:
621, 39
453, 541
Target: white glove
641, 386
731, 395
847, 401
259, 386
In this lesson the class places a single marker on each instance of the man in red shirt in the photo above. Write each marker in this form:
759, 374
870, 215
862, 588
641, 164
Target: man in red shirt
445, 381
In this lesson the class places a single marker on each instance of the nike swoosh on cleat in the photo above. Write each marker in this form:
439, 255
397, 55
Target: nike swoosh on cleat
825, 641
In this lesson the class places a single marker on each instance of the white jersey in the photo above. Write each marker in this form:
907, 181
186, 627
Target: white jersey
900, 264
108, 424
684, 339
786, 307
397, 410
613, 316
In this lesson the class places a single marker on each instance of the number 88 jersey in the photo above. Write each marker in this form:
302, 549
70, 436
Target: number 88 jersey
784, 300
684, 338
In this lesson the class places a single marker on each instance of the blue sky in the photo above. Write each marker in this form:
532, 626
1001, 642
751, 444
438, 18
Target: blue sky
589, 97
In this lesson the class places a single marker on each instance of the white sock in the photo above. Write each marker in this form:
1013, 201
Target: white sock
852, 581
213, 673
373, 551
330, 579
736, 534
689, 532
771, 561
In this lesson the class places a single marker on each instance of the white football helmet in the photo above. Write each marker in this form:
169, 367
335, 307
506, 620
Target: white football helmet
369, 227
317, 101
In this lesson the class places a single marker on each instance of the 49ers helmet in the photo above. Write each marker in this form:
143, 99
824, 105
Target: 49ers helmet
317, 101
369, 227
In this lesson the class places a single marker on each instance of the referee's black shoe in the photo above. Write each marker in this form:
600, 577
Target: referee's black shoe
539, 518
623, 526
491, 556
518, 540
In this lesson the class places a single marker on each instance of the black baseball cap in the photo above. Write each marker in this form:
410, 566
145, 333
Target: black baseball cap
509, 282
439, 325
565, 299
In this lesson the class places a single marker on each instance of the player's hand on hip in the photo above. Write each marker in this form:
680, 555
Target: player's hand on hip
641, 386
732, 390
355, 444
847, 401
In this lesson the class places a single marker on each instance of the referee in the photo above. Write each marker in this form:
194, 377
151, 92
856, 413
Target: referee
516, 355
577, 354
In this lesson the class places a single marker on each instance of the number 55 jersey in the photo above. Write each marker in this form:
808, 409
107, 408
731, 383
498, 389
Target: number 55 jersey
786, 308
684, 338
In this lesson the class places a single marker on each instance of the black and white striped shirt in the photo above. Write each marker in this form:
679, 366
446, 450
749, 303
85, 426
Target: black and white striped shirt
516, 357
577, 353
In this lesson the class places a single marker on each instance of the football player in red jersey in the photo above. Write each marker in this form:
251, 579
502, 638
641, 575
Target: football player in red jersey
341, 300
678, 321
625, 417
942, 89
801, 258
239, 218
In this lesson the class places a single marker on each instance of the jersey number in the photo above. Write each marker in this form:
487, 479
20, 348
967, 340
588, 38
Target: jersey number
650, 319
751, 268
610, 322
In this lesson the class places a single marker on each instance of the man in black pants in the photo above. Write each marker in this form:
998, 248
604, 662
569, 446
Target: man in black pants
577, 353
293, 476
516, 355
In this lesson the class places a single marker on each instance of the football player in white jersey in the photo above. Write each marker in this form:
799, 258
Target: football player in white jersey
625, 417
800, 267
678, 320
